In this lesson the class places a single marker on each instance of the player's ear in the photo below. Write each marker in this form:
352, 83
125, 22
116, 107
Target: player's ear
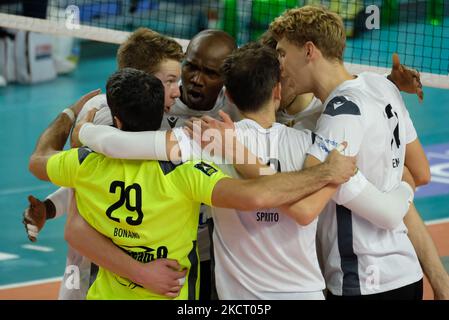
118, 123
277, 91
310, 50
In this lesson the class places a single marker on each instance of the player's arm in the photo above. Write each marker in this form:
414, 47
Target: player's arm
115, 143
282, 188
54, 137
268, 191
303, 211
427, 254
416, 161
38, 212
380, 204
384, 209
406, 79
161, 276
50, 142
415, 158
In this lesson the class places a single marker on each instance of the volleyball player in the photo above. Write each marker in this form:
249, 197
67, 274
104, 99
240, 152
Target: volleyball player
302, 111
145, 50
360, 257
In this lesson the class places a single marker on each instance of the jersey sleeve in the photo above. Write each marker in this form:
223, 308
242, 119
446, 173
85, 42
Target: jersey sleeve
103, 115
197, 179
62, 168
190, 150
351, 189
118, 144
340, 121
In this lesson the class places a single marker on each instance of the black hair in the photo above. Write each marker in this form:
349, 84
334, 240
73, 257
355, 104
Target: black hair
136, 98
250, 73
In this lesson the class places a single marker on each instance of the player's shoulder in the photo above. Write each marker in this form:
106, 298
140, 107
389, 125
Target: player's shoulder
99, 101
376, 82
200, 166
299, 138
344, 104
196, 166
87, 158
292, 132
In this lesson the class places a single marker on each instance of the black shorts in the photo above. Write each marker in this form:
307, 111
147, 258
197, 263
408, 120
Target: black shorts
412, 291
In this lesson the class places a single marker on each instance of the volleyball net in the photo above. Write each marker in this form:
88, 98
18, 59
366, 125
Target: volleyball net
417, 30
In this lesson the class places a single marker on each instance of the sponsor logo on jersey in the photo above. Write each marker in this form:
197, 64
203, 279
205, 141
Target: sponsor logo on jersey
340, 105
337, 104
142, 254
326, 145
205, 168
145, 254
172, 121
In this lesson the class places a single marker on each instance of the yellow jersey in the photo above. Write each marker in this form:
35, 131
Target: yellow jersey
149, 209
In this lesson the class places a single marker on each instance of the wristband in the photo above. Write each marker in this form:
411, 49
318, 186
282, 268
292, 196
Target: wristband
50, 209
69, 112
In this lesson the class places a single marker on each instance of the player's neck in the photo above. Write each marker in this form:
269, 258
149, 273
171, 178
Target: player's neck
328, 78
265, 116
299, 103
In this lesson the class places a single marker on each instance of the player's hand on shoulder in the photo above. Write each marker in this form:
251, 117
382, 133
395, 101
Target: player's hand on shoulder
342, 167
34, 217
218, 136
406, 79
77, 106
162, 276
89, 118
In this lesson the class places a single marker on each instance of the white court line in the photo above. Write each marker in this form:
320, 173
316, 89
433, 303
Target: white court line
30, 283
23, 189
7, 256
37, 248
437, 221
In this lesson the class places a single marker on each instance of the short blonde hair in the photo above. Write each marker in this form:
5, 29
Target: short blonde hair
312, 23
145, 49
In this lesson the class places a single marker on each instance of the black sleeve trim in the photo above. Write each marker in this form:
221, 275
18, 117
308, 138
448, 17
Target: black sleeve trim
340, 105
83, 152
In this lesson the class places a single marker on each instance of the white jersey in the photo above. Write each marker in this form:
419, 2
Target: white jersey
178, 115
76, 264
305, 119
360, 258
265, 254
103, 115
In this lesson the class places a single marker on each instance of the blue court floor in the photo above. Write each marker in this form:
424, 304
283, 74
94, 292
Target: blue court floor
25, 111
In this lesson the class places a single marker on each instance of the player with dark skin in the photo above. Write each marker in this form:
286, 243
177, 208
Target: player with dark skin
201, 79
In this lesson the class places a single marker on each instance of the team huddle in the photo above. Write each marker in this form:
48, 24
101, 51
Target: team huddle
261, 172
